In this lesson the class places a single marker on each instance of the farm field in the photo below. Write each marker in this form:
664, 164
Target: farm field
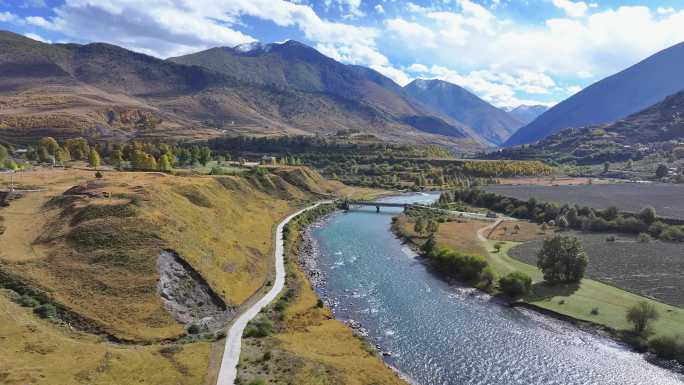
651, 269
630, 197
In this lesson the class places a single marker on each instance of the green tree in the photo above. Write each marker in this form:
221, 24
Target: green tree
116, 158
419, 226
430, 246
641, 314
165, 163
3, 153
432, 227
204, 155
648, 215
62, 155
515, 284
78, 147
606, 167
49, 144
94, 159
562, 259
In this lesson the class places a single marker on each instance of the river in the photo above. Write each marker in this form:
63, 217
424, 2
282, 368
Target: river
439, 334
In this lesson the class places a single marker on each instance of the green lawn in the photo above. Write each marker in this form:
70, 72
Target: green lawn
579, 300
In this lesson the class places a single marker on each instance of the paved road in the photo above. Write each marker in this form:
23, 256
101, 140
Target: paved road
231, 353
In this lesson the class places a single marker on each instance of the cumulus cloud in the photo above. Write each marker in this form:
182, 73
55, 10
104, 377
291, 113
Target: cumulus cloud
572, 8
379, 8
598, 44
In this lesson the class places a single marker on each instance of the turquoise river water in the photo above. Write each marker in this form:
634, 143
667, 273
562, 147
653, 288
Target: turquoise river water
437, 334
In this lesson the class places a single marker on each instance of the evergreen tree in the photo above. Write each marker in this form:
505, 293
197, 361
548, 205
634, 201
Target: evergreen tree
94, 159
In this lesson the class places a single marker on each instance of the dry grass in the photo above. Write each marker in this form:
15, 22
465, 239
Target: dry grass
34, 351
506, 231
96, 256
458, 235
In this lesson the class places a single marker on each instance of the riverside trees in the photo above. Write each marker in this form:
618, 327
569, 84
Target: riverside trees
562, 260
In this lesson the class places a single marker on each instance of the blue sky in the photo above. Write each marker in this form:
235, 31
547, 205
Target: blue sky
507, 52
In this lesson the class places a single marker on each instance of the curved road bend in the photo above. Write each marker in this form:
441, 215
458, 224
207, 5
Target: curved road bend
231, 353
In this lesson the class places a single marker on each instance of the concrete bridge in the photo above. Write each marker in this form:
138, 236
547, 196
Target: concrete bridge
346, 205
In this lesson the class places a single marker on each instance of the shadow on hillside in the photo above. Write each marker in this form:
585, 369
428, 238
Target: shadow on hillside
544, 290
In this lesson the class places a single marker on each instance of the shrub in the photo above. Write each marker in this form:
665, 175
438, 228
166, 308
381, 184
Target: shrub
640, 315
668, 348
98, 175
46, 310
595, 311
610, 238
319, 303
193, 329
673, 233
516, 284
267, 356
648, 215
259, 328
27, 301
258, 381
644, 238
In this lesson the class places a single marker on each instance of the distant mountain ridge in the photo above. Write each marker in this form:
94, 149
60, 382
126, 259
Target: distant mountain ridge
104, 91
618, 141
293, 65
492, 123
612, 98
527, 114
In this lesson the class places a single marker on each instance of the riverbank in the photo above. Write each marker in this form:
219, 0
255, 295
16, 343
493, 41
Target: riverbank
297, 340
591, 306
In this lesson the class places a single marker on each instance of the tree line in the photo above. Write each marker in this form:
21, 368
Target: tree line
567, 216
141, 156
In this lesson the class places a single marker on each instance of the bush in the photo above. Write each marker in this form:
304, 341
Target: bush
319, 303
46, 311
610, 238
668, 348
516, 284
595, 311
644, 238
259, 328
193, 329
27, 301
640, 315
98, 175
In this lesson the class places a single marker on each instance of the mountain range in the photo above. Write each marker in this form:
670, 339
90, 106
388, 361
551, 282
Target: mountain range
527, 114
634, 89
491, 123
103, 91
657, 127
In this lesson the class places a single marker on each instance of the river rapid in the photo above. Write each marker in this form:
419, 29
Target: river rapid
439, 334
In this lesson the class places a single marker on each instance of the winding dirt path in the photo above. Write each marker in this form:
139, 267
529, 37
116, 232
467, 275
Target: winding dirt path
231, 353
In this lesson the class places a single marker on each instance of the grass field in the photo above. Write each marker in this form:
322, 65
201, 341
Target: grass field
578, 301
654, 269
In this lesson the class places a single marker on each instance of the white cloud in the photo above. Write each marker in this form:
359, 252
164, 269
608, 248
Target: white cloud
35, 36
411, 32
496, 88
379, 8
596, 45
572, 8
7, 17
665, 10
